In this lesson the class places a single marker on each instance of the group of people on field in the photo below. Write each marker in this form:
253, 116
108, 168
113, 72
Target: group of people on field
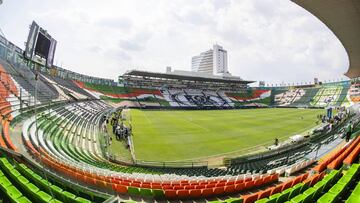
337, 119
118, 128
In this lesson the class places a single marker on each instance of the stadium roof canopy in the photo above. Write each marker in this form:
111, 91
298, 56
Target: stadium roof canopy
343, 19
184, 77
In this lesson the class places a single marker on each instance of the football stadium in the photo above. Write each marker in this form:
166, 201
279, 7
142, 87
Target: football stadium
178, 136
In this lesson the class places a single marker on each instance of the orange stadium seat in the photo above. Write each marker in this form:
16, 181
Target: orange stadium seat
250, 198
265, 193
207, 192
195, 193
218, 190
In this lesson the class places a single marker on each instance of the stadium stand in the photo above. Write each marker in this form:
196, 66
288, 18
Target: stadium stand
53, 145
327, 95
65, 137
330, 94
289, 97
335, 186
26, 79
354, 93
307, 97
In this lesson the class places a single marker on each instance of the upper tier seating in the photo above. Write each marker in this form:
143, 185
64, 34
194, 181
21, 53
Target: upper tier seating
196, 98
327, 95
66, 85
333, 94
289, 97
26, 80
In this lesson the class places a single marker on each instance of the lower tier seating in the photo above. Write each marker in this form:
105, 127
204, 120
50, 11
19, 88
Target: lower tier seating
333, 187
18, 183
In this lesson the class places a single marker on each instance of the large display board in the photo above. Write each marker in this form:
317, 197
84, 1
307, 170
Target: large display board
40, 44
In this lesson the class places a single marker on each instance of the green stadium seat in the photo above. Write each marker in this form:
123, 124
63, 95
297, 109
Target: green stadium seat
22, 200
318, 192
295, 190
43, 197
271, 201
299, 198
22, 180
353, 199
345, 180
308, 198
337, 189
234, 200
31, 190
321, 184
357, 189
355, 195
58, 192
82, 200
264, 200
133, 191
146, 192
69, 197
4, 182
284, 196
13, 192
304, 188
157, 193
14, 174
327, 198
310, 193
274, 197
55, 201
354, 169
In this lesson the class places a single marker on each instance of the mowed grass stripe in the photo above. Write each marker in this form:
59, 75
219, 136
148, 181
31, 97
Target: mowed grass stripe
184, 135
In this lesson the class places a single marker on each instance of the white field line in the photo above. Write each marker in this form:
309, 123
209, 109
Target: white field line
132, 148
127, 113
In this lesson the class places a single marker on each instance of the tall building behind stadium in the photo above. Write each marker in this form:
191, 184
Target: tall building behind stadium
213, 61
177, 136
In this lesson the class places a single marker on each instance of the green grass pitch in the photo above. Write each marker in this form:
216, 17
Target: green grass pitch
180, 135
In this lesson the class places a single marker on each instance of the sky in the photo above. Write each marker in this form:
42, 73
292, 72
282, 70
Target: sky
275, 41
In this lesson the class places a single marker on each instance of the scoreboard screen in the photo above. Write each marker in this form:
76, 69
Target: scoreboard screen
40, 44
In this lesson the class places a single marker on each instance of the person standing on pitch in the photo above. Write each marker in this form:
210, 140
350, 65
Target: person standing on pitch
348, 131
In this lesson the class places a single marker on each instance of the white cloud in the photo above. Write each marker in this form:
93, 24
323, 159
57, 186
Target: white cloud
271, 40
121, 23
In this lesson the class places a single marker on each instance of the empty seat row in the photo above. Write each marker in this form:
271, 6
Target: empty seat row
322, 165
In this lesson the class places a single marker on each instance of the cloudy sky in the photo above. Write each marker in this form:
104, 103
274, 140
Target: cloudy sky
271, 40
